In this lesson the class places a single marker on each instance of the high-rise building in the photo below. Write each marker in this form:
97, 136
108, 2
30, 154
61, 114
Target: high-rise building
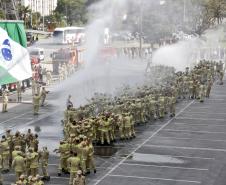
44, 7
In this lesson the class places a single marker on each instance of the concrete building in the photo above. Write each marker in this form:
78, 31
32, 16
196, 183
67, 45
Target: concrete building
44, 7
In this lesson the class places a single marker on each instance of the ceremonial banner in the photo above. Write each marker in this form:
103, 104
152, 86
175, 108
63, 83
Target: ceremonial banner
15, 64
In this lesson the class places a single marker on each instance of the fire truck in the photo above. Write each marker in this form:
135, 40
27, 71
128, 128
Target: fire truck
67, 56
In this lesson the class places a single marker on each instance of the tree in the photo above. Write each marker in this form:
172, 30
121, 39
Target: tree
2, 15
36, 19
24, 13
73, 10
216, 9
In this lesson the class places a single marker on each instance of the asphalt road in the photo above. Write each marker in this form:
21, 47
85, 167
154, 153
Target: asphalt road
186, 150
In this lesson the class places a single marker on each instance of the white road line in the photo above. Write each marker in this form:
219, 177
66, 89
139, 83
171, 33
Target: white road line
191, 112
160, 179
187, 157
182, 138
187, 148
204, 132
174, 167
201, 124
207, 102
26, 118
204, 119
55, 177
222, 95
152, 135
202, 158
96, 167
199, 108
14, 117
30, 122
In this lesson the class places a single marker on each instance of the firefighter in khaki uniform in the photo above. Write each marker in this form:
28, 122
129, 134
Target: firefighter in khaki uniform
83, 155
64, 150
16, 151
1, 179
90, 158
33, 158
43, 95
128, 124
5, 154
19, 92
36, 103
4, 101
44, 158
79, 179
73, 165
9, 138
18, 165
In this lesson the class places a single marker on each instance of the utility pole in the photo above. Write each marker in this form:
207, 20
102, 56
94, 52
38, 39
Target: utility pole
43, 15
141, 29
184, 16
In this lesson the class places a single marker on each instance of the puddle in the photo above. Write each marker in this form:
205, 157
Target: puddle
105, 151
153, 158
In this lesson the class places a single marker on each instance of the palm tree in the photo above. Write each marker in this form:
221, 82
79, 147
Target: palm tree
24, 12
2, 15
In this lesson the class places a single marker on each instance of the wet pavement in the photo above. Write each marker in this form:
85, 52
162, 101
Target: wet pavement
186, 150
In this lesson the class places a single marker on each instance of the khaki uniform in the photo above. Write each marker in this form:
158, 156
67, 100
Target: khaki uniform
73, 164
90, 158
48, 78
18, 165
209, 86
84, 157
5, 154
104, 131
4, 102
79, 180
36, 103
64, 151
128, 124
19, 92
34, 163
202, 93
43, 96
44, 160
1, 165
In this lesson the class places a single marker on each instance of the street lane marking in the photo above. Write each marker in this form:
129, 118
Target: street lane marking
200, 124
190, 112
204, 132
175, 167
152, 135
26, 118
204, 119
100, 167
55, 177
160, 179
182, 138
14, 117
187, 148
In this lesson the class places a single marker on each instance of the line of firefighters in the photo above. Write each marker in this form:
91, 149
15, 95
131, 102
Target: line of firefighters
106, 119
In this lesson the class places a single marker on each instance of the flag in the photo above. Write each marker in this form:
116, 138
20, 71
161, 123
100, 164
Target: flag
15, 64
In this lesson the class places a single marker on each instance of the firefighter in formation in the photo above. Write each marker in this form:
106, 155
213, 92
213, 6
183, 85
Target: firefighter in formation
20, 153
106, 119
